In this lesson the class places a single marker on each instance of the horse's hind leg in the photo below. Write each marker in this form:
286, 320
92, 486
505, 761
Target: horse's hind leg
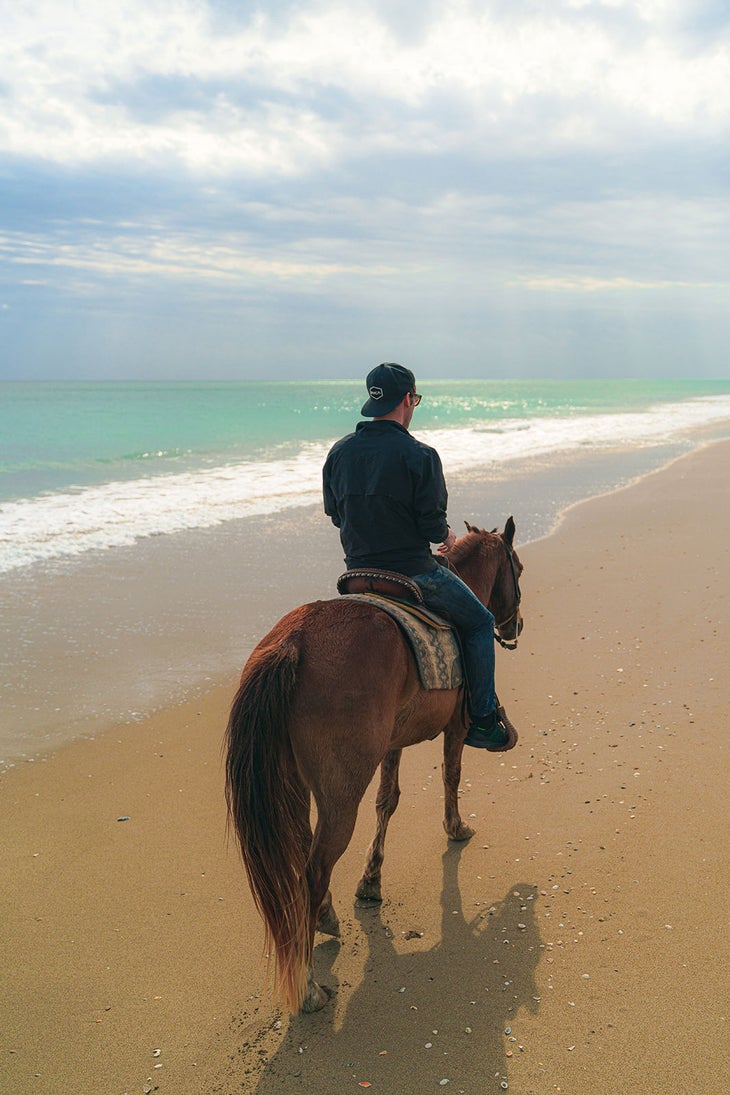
331, 837
327, 920
388, 794
451, 770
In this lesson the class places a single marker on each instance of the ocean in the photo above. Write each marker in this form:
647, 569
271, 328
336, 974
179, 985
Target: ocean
86, 467
150, 534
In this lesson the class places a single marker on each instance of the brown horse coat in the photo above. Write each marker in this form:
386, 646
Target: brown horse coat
328, 695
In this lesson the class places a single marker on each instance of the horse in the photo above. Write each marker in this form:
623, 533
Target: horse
331, 693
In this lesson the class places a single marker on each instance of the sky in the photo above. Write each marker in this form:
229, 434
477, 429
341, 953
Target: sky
218, 189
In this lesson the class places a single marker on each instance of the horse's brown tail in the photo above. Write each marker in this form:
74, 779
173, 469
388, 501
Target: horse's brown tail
269, 809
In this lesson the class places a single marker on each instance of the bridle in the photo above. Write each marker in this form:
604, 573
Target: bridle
506, 644
509, 644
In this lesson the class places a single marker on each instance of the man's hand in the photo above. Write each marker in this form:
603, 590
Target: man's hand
448, 543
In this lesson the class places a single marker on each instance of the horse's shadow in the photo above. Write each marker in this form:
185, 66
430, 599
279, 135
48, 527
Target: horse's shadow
426, 1015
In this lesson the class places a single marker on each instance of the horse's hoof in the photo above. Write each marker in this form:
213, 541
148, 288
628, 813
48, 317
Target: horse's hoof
463, 832
329, 924
316, 998
369, 891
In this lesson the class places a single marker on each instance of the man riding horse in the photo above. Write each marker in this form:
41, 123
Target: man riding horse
385, 492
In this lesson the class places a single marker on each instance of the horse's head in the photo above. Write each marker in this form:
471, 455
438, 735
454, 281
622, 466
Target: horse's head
489, 564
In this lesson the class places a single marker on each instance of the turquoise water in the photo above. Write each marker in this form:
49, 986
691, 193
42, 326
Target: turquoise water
59, 435
88, 466
128, 581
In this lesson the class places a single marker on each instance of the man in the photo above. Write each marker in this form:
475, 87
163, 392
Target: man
385, 492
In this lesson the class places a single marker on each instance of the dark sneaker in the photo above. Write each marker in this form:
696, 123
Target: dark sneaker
495, 733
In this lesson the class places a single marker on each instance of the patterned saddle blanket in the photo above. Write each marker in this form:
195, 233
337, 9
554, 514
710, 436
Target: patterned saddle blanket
431, 638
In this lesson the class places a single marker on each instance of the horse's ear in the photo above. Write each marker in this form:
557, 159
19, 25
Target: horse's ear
509, 531
469, 528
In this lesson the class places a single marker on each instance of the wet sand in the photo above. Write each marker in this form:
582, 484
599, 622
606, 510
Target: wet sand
577, 944
110, 636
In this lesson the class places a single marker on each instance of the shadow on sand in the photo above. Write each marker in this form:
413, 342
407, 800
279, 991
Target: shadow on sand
421, 1017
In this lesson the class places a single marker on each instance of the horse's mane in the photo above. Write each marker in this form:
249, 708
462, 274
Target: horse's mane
465, 545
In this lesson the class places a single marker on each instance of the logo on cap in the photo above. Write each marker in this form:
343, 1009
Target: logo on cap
375, 393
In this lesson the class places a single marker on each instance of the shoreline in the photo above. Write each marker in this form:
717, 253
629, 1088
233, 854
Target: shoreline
665, 466
585, 915
111, 638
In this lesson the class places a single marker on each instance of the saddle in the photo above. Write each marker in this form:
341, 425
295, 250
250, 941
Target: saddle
432, 639
386, 583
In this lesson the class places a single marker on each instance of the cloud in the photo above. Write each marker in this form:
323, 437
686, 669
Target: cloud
161, 83
545, 283
135, 251
364, 165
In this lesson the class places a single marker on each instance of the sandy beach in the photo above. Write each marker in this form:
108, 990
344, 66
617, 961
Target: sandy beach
577, 944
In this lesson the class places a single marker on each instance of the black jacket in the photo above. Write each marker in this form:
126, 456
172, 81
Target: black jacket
385, 492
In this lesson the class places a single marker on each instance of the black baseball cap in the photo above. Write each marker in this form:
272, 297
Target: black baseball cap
386, 385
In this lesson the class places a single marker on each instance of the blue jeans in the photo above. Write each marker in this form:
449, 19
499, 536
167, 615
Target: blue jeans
445, 594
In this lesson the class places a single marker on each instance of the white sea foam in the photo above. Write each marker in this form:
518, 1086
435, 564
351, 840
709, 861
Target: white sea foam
515, 439
119, 513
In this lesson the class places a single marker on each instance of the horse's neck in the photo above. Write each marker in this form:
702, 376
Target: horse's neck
479, 572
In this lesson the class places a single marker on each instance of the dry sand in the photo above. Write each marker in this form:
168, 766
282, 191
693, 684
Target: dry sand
577, 944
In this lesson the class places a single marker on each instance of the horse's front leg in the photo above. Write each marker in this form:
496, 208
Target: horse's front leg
451, 771
388, 794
